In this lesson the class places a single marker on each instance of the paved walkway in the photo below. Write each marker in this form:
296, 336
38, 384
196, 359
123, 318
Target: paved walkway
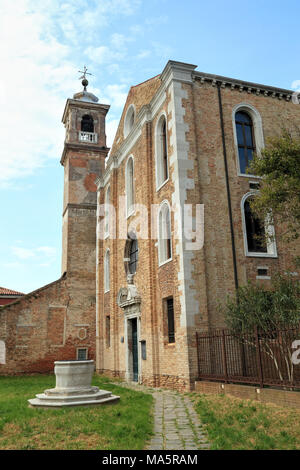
176, 424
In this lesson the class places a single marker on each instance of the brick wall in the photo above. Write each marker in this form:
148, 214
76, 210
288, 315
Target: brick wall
263, 395
199, 280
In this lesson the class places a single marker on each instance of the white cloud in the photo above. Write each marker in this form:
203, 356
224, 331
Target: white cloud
100, 54
22, 253
143, 54
117, 94
156, 21
45, 252
48, 251
111, 129
296, 85
43, 44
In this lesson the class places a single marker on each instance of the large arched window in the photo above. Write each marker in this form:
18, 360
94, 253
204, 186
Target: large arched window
164, 233
129, 120
107, 271
87, 123
259, 236
107, 203
162, 171
129, 186
131, 254
248, 135
245, 139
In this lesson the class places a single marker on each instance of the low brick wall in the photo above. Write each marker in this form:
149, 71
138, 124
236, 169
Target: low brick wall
263, 395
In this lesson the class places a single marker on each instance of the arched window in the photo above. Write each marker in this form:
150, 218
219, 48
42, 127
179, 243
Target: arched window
245, 139
87, 123
258, 234
107, 271
129, 186
161, 152
129, 120
131, 254
255, 230
107, 202
164, 233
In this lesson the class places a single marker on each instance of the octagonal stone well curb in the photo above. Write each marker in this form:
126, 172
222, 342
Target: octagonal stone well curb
73, 387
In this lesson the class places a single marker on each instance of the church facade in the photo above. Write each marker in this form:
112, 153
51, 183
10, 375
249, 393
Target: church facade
157, 233
175, 232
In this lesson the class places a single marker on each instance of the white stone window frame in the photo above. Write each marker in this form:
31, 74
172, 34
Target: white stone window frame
263, 276
128, 123
259, 141
107, 271
129, 208
160, 240
107, 214
271, 245
158, 152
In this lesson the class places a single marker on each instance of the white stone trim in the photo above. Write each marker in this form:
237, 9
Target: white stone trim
182, 183
129, 211
127, 125
106, 220
160, 241
272, 248
174, 71
128, 369
106, 271
257, 130
158, 153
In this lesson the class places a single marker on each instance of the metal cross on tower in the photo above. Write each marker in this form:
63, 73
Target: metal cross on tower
83, 77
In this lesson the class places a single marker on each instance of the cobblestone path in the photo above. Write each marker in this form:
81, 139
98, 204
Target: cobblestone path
176, 424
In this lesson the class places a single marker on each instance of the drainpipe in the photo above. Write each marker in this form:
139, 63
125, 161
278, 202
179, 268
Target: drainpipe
227, 187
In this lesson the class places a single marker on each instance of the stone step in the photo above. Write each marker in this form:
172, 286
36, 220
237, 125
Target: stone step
71, 391
73, 398
37, 403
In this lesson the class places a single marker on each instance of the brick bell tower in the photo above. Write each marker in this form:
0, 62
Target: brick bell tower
83, 159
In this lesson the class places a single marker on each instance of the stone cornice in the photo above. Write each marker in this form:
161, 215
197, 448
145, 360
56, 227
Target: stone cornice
184, 73
179, 71
83, 104
71, 205
82, 147
243, 86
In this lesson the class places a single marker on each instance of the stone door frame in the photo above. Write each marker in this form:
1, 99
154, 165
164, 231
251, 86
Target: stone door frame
128, 356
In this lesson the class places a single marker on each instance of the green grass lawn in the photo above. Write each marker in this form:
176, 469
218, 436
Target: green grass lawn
125, 425
233, 423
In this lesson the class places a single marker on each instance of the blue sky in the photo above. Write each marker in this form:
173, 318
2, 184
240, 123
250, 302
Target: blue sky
122, 42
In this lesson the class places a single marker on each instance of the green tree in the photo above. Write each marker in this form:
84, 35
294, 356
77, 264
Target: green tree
279, 167
268, 310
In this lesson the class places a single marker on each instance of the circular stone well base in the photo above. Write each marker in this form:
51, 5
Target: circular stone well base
73, 387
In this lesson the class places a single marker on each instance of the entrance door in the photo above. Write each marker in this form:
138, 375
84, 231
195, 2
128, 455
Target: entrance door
135, 364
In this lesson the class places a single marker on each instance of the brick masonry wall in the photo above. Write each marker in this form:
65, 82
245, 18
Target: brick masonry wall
263, 395
45, 326
53, 322
198, 281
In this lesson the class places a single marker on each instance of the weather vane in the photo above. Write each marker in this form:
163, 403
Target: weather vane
83, 77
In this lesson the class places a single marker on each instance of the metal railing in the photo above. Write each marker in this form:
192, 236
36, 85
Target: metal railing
257, 357
87, 137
